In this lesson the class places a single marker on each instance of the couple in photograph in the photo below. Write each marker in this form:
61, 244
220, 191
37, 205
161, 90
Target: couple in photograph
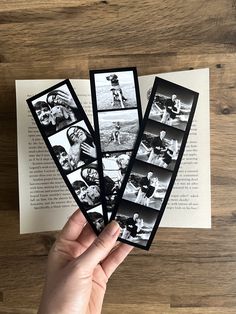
58, 111
170, 111
147, 189
131, 227
161, 152
82, 149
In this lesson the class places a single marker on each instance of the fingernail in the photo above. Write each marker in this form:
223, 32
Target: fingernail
112, 228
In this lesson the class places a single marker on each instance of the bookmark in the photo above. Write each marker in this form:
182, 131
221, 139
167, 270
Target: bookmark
154, 163
117, 118
69, 137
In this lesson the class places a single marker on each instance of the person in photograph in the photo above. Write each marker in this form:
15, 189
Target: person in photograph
144, 184
82, 146
169, 104
62, 108
88, 195
116, 91
122, 162
174, 110
91, 177
43, 112
133, 225
90, 174
97, 220
151, 191
167, 157
115, 135
63, 158
157, 146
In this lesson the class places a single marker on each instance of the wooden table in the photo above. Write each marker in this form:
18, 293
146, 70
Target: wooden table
186, 271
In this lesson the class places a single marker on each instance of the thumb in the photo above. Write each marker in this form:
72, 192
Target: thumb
101, 247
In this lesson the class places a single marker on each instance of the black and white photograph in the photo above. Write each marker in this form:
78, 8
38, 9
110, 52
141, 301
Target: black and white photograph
56, 110
136, 222
96, 216
172, 105
115, 90
160, 145
88, 194
118, 130
147, 185
110, 202
114, 168
73, 146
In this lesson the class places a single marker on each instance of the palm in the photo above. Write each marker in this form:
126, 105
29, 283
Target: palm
99, 283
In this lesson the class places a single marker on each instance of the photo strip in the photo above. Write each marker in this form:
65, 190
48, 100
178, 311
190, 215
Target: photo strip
69, 137
155, 161
117, 118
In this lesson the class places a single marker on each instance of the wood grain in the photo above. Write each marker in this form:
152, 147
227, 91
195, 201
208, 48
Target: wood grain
187, 271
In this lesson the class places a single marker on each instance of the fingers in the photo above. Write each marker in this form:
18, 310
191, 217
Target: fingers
100, 247
63, 95
73, 227
86, 238
116, 257
86, 148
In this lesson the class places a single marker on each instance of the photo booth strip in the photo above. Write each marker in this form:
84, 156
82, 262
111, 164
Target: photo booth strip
154, 163
117, 118
69, 138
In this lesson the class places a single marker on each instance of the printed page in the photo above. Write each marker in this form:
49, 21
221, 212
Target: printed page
46, 203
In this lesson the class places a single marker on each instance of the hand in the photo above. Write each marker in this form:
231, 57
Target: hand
89, 150
64, 98
79, 267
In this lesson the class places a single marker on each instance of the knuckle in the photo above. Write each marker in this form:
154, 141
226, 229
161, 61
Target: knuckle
100, 243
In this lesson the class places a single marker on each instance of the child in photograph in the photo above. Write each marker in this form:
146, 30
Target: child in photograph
82, 145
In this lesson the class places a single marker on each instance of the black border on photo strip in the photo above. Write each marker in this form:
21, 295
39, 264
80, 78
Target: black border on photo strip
46, 140
96, 122
157, 81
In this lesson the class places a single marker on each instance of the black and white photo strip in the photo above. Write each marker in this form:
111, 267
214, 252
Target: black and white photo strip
69, 137
153, 166
117, 118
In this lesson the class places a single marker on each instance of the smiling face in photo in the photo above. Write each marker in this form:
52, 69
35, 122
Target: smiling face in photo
77, 135
43, 112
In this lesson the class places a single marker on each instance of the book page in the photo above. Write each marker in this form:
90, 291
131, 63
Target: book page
46, 203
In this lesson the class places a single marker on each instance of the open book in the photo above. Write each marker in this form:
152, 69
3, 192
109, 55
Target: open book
46, 203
